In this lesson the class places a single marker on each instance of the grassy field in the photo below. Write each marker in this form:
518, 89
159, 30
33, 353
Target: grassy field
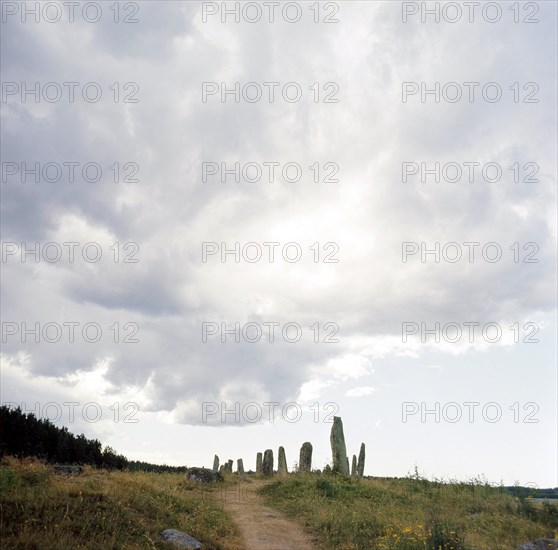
410, 514
102, 509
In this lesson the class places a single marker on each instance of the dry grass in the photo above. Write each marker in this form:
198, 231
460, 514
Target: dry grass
102, 509
410, 514
128, 510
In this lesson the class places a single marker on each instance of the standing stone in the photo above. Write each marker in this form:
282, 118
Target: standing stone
215, 463
222, 469
305, 462
259, 463
229, 465
282, 462
240, 467
267, 465
361, 457
354, 466
338, 448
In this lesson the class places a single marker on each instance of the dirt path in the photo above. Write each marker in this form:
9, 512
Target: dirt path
262, 528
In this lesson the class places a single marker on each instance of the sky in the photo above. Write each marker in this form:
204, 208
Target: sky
403, 175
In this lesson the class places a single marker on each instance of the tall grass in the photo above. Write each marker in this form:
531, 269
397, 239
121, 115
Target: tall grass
409, 513
127, 510
102, 509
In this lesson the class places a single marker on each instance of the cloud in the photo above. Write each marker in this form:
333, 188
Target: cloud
360, 391
170, 292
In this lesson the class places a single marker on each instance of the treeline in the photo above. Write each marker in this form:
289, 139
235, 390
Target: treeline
23, 434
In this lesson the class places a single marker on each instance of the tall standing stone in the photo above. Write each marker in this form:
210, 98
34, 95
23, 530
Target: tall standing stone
215, 463
305, 461
229, 465
267, 464
240, 467
361, 457
338, 448
282, 462
354, 466
259, 463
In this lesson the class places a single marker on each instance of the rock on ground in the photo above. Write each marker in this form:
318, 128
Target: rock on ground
180, 539
540, 544
203, 475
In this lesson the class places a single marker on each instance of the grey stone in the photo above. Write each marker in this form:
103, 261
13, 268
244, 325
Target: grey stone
240, 467
267, 464
540, 544
305, 461
222, 469
259, 463
228, 467
180, 539
215, 463
354, 466
338, 448
282, 462
361, 457
203, 475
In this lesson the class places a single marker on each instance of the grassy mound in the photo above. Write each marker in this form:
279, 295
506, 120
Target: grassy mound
105, 509
410, 514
